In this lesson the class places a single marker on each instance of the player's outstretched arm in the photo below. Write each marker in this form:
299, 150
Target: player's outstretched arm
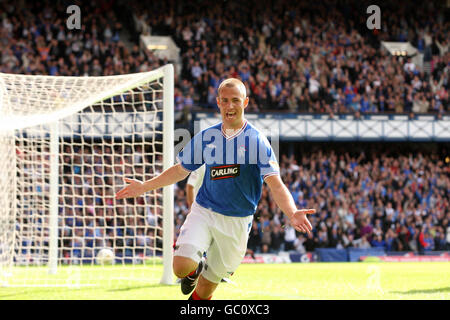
285, 202
136, 188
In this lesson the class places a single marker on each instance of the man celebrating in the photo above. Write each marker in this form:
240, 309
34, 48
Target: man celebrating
238, 159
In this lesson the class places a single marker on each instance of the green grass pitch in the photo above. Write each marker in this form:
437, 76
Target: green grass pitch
296, 281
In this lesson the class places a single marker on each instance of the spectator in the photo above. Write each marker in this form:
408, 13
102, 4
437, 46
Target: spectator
428, 242
266, 239
378, 242
440, 243
362, 242
277, 240
289, 238
310, 243
254, 240
366, 229
334, 238
298, 244
391, 241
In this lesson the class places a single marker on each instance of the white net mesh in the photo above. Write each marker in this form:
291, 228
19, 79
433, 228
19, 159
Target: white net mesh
106, 128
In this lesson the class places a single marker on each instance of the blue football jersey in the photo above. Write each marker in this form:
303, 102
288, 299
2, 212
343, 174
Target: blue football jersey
236, 167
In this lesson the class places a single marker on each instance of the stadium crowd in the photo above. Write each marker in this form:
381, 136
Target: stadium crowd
293, 59
367, 198
90, 217
380, 199
296, 57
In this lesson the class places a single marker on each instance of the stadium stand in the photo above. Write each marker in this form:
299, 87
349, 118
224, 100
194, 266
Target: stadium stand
300, 58
366, 198
308, 63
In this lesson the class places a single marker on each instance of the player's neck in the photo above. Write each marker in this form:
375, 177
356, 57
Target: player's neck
231, 129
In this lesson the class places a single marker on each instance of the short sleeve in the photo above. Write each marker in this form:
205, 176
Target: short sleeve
267, 161
191, 157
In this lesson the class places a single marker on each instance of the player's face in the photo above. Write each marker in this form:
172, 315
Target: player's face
232, 102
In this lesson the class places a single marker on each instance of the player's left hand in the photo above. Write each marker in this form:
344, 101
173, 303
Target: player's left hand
300, 222
133, 190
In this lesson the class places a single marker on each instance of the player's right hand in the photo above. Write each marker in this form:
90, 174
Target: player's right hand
300, 222
133, 190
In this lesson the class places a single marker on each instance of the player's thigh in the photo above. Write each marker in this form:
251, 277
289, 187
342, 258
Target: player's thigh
227, 249
194, 237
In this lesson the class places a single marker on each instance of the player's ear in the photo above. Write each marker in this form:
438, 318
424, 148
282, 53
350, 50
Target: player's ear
218, 102
246, 102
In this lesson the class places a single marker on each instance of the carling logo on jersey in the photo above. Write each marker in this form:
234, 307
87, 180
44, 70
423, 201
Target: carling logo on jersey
224, 172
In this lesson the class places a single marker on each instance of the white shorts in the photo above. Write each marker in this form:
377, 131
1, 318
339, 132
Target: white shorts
223, 238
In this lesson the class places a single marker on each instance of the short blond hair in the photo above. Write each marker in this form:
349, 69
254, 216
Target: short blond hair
233, 82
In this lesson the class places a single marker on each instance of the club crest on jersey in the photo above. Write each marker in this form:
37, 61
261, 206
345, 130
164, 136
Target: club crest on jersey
224, 172
241, 151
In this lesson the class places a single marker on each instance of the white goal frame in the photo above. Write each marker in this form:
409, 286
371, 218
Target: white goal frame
11, 122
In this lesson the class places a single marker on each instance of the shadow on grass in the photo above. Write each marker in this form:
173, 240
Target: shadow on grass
56, 291
138, 287
9, 296
418, 291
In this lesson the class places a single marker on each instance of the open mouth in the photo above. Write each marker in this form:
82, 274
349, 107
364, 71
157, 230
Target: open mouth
230, 114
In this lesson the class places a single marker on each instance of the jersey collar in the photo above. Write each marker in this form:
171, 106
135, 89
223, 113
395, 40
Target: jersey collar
238, 132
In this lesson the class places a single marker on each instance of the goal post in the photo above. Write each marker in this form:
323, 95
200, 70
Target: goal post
168, 160
66, 145
7, 205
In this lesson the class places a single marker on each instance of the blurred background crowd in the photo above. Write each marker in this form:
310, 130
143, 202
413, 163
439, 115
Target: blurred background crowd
293, 57
392, 197
312, 57
364, 197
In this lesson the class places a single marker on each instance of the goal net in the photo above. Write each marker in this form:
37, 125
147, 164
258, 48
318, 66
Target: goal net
66, 145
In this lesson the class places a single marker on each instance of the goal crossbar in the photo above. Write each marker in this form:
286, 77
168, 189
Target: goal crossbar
12, 121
